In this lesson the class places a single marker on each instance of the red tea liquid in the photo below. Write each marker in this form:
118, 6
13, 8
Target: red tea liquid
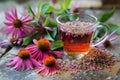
76, 37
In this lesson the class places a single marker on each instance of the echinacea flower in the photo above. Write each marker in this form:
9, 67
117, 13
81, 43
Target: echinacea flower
17, 27
49, 66
107, 42
13, 41
23, 61
42, 28
75, 7
41, 48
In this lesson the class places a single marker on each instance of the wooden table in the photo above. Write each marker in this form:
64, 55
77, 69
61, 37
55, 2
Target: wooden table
113, 74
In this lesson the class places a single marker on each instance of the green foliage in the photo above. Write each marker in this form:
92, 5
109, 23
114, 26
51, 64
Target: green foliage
106, 16
33, 23
64, 7
30, 11
53, 23
44, 8
27, 40
51, 9
48, 12
46, 22
48, 36
67, 3
100, 31
96, 34
54, 33
57, 44
38, 8
73, 17
114, 27
47, 8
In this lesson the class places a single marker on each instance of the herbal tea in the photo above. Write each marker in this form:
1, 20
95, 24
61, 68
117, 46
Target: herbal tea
76, 37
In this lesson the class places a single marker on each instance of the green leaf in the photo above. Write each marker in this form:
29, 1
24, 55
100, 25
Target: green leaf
50, 9
61, 4
100, 31
52, 23
118, 31
38, 8
48, 36
44, 8
30, 11
96, 34
27, 40
47, 21
114, 27
67, 3
54, 32
73, 17
57, 44
67, 11
33, 23
36, 36
106, 16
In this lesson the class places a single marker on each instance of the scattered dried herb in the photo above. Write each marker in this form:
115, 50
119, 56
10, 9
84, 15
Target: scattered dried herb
97, 60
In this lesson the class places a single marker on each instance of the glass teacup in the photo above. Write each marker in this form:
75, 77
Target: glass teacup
76, 31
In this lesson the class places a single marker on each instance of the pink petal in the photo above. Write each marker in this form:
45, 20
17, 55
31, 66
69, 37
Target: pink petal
8, 23
112, 34
48, 28
23, 32
8, 31
37, 55
47, 71
15, 32
100, 42
28, 27
40, 69
113, 38
5, 43
7, 27
14, 12
18, 64
99, 45
23, 65
35, 63
42, 22
50, 71
24, 11
58, 53
12, 62
34, 41
8, 16
30, 46
28, 64
53, 70
24, 17
27, 20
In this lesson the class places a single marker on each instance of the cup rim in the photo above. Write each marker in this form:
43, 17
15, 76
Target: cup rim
57, 19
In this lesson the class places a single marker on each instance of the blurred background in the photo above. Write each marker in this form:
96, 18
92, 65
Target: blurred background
82, 3
94, 7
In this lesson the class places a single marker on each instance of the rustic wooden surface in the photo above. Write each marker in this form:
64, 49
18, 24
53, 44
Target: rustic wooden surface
7, 73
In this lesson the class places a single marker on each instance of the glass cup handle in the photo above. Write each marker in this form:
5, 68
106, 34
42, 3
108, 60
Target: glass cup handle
104, 37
